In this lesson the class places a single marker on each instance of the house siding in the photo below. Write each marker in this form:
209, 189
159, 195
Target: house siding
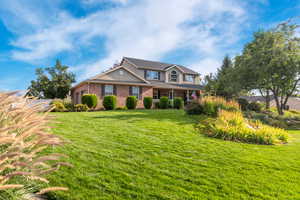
122, 94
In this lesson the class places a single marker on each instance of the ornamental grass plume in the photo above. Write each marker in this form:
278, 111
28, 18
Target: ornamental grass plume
24, 134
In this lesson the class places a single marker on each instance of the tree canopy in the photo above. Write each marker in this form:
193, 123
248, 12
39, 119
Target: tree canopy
52, 82
271, 62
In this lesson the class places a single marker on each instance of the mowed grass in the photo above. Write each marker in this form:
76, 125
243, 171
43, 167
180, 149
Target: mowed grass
158, 154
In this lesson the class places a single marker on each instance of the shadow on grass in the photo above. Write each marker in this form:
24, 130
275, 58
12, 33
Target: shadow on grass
177, 116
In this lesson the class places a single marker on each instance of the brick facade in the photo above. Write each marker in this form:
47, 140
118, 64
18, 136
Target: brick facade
122, 94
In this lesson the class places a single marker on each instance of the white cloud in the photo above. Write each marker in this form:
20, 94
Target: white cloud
147, 29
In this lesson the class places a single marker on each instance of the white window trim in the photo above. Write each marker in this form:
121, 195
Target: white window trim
149, 77
106, 93
138, 91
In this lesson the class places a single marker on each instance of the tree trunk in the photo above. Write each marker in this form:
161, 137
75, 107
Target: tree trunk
278, 105
268, 100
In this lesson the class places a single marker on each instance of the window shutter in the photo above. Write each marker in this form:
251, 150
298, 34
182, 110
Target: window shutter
130, 90
158, 75
102, 90
145, 74
141, 92
115, 90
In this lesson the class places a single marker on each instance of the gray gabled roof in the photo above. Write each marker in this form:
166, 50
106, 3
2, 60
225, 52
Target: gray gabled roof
154, 65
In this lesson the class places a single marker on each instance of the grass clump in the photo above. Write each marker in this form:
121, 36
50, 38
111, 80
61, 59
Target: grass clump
231, 125
24, 134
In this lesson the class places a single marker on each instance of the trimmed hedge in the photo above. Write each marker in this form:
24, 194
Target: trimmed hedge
81, 108
147, 102
178, 103
110, 102
90, 100
163, 102
131, 102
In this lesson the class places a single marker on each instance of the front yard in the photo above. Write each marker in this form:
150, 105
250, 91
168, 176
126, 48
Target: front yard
158, 154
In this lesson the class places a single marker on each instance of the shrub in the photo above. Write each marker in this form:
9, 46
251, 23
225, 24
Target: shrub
81, 108
231, 125
24, 134
131, 102
255, 106
243, 103
163, 102
209, 108
110, 102
221, 103
70, 107
147, 102
170, 103
58, 106
90, 100
194, 109
178, 103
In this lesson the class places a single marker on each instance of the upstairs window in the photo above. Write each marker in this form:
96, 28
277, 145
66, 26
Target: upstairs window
152, 75
189, 78
174, 76
108, 90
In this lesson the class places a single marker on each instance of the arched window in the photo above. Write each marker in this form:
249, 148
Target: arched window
174, 76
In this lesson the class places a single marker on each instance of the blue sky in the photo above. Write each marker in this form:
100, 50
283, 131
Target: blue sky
91, 35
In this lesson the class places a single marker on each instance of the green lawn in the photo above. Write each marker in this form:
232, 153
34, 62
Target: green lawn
158, 154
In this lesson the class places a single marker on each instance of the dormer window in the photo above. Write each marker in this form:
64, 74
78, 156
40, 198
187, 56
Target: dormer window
174, 76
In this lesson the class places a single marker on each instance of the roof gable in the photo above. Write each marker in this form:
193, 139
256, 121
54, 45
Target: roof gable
153, 65
120, 73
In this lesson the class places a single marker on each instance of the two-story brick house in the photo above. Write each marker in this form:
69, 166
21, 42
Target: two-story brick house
141, 78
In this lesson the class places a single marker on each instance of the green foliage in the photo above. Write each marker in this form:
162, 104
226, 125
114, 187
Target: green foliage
210, 109
271, 62
147, 102
211, 105
194, 108
232, 126
243, 103
58, 106
131, 102
170, 103
90, 100
53, 82
218, 84
255, 106
110, 102
163, 102
81, 108
69, 106
156, 105
178, 103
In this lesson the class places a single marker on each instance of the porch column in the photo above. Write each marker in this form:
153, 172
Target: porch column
187, 96
172, 93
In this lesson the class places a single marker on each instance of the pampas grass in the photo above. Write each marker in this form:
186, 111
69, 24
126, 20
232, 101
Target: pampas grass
24, 134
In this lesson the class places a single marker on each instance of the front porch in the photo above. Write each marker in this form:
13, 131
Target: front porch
186, 95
